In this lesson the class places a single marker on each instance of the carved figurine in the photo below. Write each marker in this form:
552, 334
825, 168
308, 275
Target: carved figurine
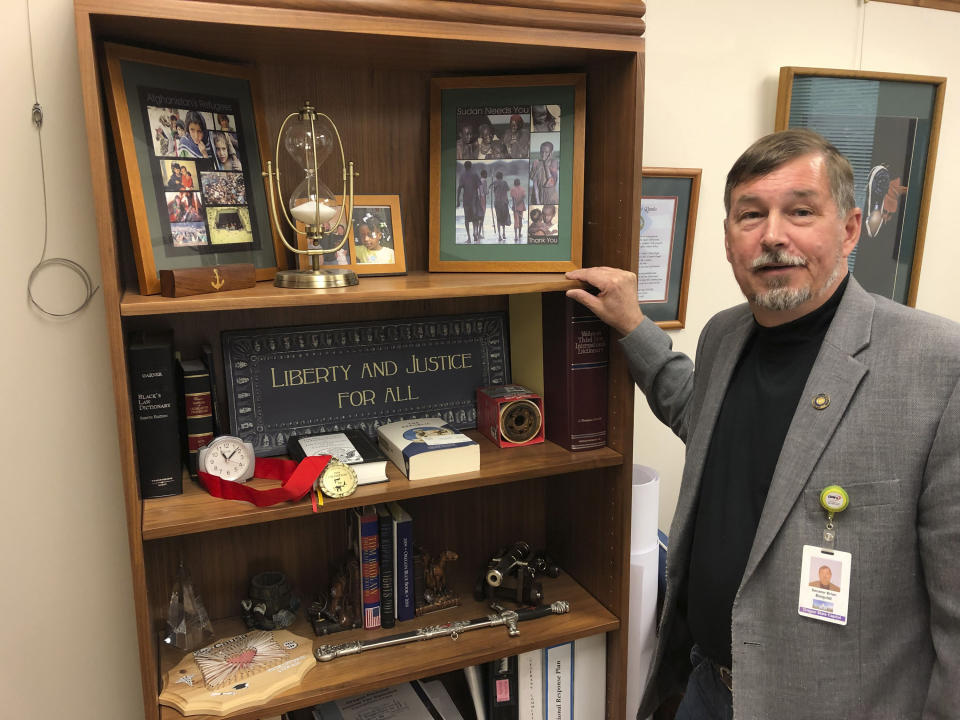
436, 594
340, 608
435, 579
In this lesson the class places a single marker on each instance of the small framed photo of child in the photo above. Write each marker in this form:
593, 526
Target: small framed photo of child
374, 239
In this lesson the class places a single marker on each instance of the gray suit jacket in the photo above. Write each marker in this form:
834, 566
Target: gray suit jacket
891, 437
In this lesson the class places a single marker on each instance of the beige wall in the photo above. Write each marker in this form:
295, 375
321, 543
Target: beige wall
69, 644
69, 638
712, 74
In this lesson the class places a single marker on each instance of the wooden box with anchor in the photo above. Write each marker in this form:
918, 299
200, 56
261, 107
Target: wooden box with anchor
200, 280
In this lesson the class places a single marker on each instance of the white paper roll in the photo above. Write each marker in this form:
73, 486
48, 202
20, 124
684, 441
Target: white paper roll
645, 508
644, 567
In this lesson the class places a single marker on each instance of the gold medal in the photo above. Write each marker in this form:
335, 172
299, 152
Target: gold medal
337, 480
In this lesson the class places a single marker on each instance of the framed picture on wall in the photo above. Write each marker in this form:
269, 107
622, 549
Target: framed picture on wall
187, 139
668, 220
888, 126
506, 173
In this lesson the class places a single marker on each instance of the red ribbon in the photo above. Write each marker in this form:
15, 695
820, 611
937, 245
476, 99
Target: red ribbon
296, 480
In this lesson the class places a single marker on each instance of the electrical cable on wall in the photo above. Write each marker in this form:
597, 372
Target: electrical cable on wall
45, 262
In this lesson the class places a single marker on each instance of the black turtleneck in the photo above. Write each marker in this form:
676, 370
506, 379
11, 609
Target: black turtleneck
763, 395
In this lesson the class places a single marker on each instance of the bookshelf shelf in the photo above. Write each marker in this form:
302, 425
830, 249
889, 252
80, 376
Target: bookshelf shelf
356, 674
416, 285
196, 511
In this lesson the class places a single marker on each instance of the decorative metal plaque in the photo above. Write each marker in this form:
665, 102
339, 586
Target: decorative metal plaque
323, 378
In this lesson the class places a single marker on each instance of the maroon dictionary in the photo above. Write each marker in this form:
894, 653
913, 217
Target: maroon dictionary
575, 364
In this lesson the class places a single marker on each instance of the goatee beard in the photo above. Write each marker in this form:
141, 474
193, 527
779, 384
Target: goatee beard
779, 298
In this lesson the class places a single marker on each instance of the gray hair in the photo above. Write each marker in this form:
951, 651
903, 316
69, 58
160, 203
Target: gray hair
776, 149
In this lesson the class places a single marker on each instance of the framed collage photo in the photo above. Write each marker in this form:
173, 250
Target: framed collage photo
375, 245
668, 221
189, 151
888, 126
506, 173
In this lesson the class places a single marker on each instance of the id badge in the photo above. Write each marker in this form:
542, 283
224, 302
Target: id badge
824, 584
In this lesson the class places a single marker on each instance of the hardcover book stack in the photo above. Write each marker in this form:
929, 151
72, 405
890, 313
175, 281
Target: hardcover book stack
382, 537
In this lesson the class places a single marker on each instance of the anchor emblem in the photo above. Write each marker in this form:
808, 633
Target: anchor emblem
217, 282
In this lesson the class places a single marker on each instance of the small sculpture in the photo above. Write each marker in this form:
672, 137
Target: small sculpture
188, 625
511, 575
272, 605
339, 609
434, 576
436, 594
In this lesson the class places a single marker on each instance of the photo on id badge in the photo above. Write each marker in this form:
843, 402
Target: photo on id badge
824, 584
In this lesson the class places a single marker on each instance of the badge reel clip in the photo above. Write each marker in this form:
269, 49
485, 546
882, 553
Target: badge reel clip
833, 499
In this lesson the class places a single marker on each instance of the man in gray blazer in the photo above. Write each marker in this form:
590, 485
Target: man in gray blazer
812, 383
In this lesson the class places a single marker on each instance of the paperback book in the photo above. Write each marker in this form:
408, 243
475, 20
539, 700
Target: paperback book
428, 447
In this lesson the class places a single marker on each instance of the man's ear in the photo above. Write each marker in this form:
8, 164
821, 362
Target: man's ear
726, 240
851, 230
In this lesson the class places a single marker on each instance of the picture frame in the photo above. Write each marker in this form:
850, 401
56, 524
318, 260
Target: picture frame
888, 126
377, 218
189, 141
530, 130
668, 221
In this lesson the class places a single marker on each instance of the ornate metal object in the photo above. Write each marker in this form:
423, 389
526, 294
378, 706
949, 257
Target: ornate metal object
453, 630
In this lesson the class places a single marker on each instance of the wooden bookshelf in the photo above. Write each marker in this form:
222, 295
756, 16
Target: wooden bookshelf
368, 63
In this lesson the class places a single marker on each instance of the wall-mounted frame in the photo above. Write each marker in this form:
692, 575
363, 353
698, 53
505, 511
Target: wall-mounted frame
187, 138
375, 247
888, 126
506, 173
668, 221
953, 5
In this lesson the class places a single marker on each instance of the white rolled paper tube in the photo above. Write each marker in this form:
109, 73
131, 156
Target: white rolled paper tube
645, 508
644, 559
642, 636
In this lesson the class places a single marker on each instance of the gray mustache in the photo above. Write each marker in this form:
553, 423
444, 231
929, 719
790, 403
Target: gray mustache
780, 257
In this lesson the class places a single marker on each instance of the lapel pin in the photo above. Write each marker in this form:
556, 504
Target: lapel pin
821, 401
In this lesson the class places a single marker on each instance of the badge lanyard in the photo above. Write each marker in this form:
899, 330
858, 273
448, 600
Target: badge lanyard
296, 480
825, 571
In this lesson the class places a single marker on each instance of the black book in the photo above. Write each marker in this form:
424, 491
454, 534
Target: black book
156, 414
502, 689
387, 602
352, 447
219, 425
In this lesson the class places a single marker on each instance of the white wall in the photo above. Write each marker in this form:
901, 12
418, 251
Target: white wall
69, 638
69, 634
712, 74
